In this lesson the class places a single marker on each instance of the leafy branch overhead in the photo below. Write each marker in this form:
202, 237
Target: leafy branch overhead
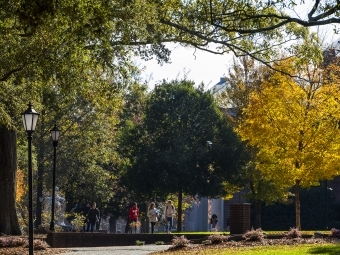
260, 29
47, 33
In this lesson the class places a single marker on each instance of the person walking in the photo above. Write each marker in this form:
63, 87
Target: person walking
152, 214
169, 213
93, 216
133, 216
85, 212
213, 222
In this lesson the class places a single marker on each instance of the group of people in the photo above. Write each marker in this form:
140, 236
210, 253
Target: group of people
91, 217
154, 215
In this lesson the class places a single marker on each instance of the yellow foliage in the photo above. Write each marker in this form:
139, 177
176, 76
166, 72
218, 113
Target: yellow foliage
294, 125
20, 186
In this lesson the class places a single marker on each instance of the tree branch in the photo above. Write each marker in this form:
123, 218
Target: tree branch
8, 74
310, 14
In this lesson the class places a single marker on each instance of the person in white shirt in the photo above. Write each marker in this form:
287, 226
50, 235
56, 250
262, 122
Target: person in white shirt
152, 214
169, 212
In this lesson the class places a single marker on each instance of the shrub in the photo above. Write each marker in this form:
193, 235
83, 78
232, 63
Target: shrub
138, 242
254, 235
159, 243
180, 241
12, 241
293, 233
206, 242
40, 245
335, 233
78, 221
217, 238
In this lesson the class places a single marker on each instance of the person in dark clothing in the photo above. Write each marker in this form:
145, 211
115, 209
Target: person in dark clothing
85, 212
93, 216
213, 221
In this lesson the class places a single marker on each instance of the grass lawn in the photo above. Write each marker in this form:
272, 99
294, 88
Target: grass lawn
330, 249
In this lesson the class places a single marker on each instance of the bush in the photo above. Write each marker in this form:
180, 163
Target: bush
217, 238
206, 242
180, 241
40, 245
12, 241
335, 233
159, 243
138, 242
293, 233
254, 235
78, 221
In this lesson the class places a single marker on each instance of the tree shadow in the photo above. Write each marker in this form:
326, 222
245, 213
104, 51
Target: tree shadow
330, 250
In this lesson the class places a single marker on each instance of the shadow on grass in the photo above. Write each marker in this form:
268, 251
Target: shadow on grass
330, 250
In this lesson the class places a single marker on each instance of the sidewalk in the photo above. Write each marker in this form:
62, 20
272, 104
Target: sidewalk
117, 250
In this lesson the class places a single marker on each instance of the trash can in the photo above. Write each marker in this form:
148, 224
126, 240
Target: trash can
239, 218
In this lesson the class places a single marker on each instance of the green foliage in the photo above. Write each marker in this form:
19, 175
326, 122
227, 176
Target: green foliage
77, 221
183, 146
138, 242
206, 242
171, 153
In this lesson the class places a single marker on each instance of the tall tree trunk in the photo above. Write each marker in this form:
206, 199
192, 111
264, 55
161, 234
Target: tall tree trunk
297, 204
9, 224
257, 214
147, 221
179, 210
39, 188
41, 160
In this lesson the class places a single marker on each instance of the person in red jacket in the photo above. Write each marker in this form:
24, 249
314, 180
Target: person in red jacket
133, 215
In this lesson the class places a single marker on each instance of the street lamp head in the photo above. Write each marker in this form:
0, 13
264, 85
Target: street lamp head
30, 119
55, 133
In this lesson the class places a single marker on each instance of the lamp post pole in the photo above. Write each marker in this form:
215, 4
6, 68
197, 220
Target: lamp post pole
55, 132
30, 118
326, 184
30, 195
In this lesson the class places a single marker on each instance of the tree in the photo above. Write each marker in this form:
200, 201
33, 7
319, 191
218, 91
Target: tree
247, 28
61, 50
49, 42
183, 146
244, 78
294, 125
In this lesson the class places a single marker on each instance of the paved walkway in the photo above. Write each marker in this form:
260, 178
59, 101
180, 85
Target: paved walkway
117, 250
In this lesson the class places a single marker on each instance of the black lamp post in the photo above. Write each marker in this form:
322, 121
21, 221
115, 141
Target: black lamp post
55, 132
30, 118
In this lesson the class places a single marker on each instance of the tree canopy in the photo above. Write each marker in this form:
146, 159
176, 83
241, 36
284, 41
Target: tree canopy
294, 125
184, 145
259, 29
62, 55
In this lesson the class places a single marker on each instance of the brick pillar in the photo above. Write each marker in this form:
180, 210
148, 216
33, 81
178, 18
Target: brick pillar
239, 218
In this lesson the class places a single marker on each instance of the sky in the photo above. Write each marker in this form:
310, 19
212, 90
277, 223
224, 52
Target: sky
200, 66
